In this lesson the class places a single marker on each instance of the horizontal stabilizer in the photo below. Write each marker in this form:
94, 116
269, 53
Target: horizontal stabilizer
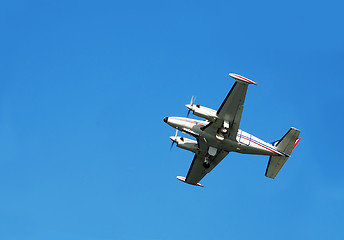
183, 180
274, 166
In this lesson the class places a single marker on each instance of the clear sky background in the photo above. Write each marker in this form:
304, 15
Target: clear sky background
84, 86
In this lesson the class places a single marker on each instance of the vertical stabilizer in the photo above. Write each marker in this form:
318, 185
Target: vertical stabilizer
286, 144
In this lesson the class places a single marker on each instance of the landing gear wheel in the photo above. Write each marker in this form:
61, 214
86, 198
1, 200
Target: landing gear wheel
206, 164
224, 130
220, 137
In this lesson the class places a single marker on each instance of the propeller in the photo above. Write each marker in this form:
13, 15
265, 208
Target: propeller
174, 141
193, 99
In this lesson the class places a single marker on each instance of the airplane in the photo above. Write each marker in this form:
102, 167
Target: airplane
219, 134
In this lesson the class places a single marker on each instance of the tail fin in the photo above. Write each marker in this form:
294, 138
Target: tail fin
288, 141
285, 145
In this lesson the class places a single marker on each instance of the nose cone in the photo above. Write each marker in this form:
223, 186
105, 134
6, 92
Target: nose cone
173, 138
188, 106
165, 119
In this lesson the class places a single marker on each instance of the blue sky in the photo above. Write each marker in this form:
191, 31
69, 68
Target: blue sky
84, 85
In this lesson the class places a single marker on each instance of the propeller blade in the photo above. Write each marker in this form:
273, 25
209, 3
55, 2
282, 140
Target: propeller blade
193, 99
172, 140
176, 133
187, 115
172, 145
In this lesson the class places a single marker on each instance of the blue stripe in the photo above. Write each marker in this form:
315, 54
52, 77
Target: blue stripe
255, 141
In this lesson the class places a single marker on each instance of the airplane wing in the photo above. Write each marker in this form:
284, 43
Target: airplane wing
231, 109
197, 171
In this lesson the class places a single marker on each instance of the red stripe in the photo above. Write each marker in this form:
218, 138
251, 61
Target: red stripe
297, 141
262, 145
190, 122
238, 76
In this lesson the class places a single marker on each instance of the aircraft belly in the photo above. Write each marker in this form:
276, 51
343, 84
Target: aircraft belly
252, 150
253, 146
227, 145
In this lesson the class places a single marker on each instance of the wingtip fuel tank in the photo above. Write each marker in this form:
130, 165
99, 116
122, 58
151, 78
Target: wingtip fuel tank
242, 79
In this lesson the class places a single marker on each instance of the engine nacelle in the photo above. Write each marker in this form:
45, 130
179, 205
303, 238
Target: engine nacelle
185, 143
203, 112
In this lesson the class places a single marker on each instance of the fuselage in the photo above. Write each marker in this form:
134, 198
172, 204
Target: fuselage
244, 143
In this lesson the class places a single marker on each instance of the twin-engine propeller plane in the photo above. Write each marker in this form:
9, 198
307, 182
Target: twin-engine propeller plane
219, 134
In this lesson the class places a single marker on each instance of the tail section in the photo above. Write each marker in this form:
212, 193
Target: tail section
285, 145
288, 141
